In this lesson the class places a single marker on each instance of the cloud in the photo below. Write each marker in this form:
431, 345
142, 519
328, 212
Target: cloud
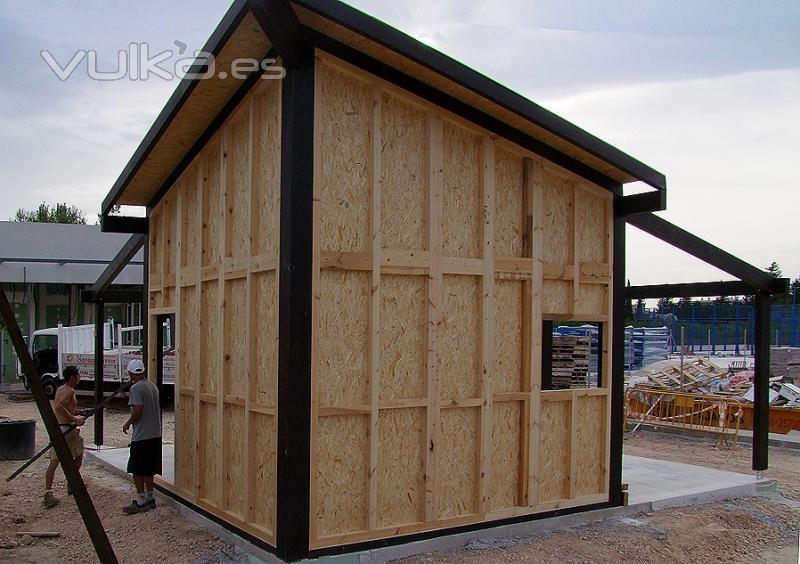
725, 145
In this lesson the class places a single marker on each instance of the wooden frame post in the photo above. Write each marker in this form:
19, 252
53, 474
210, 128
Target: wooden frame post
295, 302
102, 546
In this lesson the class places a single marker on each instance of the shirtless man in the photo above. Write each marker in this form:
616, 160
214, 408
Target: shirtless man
65, 406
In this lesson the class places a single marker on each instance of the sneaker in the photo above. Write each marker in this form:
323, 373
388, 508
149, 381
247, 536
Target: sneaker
134, 507
151, 503
49, 500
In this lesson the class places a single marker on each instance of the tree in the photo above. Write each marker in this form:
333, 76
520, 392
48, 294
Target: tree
664, 305
628, 307
60, 213
774, 270
639, 308
794, 290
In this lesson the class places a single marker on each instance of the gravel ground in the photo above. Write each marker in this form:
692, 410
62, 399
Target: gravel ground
747, 530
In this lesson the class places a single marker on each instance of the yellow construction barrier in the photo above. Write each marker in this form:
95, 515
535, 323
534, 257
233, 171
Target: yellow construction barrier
716, 415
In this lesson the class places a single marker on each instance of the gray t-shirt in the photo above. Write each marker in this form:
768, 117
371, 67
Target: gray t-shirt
145, 393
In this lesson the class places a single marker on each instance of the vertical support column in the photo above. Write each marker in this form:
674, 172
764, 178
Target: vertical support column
295, 302
375, 307
534, 187
220, 360
527, 338
435, 165
145, 312
761, 381
487, 325
616, 382
99, 313
249, 472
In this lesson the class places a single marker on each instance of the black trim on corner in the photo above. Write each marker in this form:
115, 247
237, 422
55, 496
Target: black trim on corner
459, 108
281, 26
644, 202
214, 45
208, 133
459, 73
617, 376
761, 383
690, 290
217, 520
123, 224
294, 321
394, 541
547, 355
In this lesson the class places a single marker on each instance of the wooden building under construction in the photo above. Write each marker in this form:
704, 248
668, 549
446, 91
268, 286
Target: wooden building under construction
363, 259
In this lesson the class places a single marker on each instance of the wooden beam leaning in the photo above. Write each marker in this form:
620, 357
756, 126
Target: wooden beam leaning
435, 166
102, 546
374, 338
526, 381
487, 325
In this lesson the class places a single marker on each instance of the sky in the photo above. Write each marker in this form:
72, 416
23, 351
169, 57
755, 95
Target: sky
705, 91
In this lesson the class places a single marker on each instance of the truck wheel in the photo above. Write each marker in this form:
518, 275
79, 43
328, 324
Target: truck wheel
50, 387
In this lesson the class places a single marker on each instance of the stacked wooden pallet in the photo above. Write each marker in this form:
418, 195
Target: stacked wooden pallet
697, 377
570, 362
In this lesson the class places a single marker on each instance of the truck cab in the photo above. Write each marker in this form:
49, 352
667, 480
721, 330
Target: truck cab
43, 347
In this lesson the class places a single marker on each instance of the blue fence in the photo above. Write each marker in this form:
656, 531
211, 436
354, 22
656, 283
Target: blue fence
724, 328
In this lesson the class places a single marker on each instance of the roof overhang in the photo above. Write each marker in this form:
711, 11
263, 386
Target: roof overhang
197, 105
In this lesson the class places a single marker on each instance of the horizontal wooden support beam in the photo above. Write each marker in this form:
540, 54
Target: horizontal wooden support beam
690, 290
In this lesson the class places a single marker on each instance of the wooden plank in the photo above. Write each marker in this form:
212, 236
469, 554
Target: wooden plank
487, 324
454, 265
180, 199
222, 449
535, 188
345, 260
375, 307
435, 165
250, 363
576, 275
573, 441
514, 264
608, 341
198, 266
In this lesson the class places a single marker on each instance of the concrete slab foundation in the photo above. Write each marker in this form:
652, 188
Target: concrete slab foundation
652, 485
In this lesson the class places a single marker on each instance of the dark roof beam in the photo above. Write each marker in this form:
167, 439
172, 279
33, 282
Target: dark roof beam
120, 261
708, 253
123, 224
641, 203
690, 290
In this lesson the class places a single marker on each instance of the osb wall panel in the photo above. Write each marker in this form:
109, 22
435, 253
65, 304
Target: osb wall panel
506, 431
344, 123
404, 158
216, 262
507, 375
266, 160
236, 157
459, 356
422, 415
590, 214
212, 214
589, 448
510, 217
235, 367
401, 468
458, 463
554, 453
461, 194
185, 459
341, 474
263, 381
403, 337
558, 217
343, 319
262, 429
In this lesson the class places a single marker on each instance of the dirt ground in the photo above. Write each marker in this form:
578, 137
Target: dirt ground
747, 530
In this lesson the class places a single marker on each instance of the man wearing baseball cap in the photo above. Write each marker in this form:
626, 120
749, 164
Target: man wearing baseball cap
145, 454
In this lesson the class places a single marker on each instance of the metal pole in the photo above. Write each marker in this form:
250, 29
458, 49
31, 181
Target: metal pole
102, 546
761, 384
99, 356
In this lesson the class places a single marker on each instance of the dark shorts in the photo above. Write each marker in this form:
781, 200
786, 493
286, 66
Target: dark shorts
145, 457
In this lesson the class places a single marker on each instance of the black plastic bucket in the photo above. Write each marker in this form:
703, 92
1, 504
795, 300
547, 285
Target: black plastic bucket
17, 439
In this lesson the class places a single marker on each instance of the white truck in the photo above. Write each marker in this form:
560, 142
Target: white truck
54, 348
